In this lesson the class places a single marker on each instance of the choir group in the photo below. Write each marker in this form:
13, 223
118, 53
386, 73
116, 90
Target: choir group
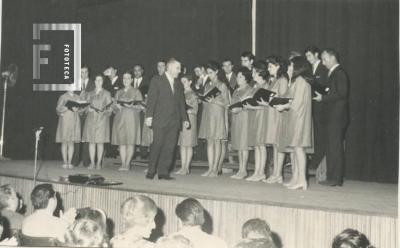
306, 113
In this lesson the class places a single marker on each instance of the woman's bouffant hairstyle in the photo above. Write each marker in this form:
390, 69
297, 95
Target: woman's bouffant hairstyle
137, 210
301, 67
86, 233
261, 69
351, 238
246, 73
279, 61
190, 212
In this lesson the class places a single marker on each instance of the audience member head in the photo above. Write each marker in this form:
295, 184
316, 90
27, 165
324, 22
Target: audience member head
298, 67
227, 66
312, 54
247, 59
43, 196
174, 241
256, 228
173, 67
98, 81
330, 57
277, 66
187, 81
161, 67
244, 76
94, 214
127, 78
138, 71
8, 198
138, 213
212, 68
260, 72
85, 72
351, 238
190, 212
86, 233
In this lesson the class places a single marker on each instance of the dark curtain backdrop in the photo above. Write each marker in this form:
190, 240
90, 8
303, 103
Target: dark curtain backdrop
117, 32
123, 33
366, 35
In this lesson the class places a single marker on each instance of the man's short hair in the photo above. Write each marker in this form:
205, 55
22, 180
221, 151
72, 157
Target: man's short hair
227, 60
41, 195
312, 49
190, 212
172, 61
248, 55
139, 65
6, 192
332, 52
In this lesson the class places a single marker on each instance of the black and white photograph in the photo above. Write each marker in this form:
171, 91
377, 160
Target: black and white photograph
199, 123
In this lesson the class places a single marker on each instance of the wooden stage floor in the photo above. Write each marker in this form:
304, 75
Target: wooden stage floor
374, 199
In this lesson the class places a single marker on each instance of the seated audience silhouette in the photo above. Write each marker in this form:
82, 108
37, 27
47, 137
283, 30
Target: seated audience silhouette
9, 205
86, 233
137, 214
256, 233
42, 222
191, 215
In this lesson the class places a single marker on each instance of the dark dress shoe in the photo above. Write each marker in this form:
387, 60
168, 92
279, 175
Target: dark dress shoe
330, 183
165, 177
150, 175
220, 173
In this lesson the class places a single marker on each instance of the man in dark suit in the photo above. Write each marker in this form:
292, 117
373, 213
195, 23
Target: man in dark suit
165, 113
112, 83
335, 106
142, 84
81, 150
202, 79
229, 77
319, 76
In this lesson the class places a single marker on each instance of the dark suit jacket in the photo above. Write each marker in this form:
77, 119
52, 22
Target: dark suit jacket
202, 86
232, 83
321, 74
113, 88
336, 101
164, 106
144, 86
89, 87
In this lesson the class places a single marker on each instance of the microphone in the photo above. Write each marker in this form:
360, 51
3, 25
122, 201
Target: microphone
37, 129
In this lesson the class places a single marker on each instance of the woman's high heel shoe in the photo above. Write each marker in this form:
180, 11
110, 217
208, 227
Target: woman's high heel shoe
272, 179
302, 186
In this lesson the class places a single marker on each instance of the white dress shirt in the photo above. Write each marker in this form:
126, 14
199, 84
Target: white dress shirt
171, 81
137, 82
114, 80
42, 224
228, 76
315, 66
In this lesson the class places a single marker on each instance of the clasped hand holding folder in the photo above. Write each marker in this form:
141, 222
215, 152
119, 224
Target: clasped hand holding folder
126, 103
214, 92
261, 95
77, 104
321, 89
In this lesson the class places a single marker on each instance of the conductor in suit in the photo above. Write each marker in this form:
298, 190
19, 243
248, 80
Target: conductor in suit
319, 76
165, 113
335, 106
81, 150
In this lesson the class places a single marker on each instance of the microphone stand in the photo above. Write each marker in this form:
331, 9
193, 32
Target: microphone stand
3, 115
37, 134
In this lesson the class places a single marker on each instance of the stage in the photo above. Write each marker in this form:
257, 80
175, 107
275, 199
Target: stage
300, 218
